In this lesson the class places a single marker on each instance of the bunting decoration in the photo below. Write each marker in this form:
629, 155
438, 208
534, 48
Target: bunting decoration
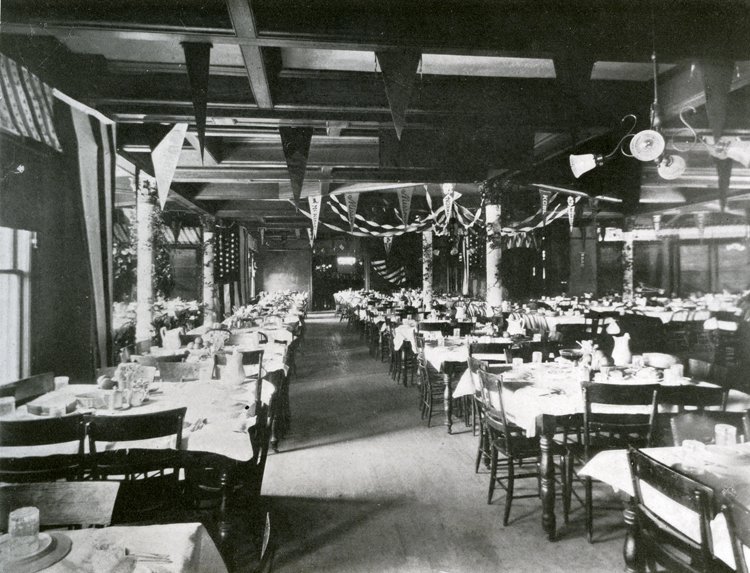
310, 236
387, 243
315, 202
296, 144
404, 203
571, 211
26, 104
352, 199
197, 62
165, 157
399, 70
395, 276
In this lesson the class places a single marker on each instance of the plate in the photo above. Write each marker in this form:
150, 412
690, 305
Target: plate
53, 547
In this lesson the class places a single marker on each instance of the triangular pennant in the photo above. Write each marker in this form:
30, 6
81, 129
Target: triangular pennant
724, 168
197, 61
176, 226
165, 157
310, 236
544, 199
404, 203
571, 211
448, 197
296, 144
315, 202
399, 72
717, 83
387, 243
351, 207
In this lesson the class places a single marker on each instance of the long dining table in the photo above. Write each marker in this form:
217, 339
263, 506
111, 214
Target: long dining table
539, 398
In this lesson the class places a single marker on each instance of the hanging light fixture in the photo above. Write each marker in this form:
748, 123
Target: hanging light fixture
734, 148
646, 145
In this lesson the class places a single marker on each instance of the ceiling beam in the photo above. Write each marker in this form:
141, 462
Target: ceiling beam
243, 20
249, 191
695, 178
684, 88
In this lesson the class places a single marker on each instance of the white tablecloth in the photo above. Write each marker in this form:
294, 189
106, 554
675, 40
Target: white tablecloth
217, 418
188, 545
612, 468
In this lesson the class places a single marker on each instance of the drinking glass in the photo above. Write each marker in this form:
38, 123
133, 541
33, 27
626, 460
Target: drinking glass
7, 406
726, 435
536, 357
61, 382
692, 455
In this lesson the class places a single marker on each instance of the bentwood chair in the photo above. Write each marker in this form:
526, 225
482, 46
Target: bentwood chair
607, 430
431, 384
148, 477
62, 503
66, 433
661, 494
738, 524
481, 395
512, 442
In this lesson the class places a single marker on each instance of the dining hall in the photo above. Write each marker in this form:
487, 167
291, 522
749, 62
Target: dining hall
409, 286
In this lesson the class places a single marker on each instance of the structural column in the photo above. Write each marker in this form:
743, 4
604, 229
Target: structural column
366, 265
494, 256
145, 208
209, 287
627, 266
466, 268
427, 268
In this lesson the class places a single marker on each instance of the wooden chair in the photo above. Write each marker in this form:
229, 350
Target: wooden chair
701, 426
693, 397
442, 327
661, 492
510, 441
432, 386
42, 432
705, 371
150, 360
738, 524
607, 431
148, 476
479, 399
501, 350
62, 504
28, 389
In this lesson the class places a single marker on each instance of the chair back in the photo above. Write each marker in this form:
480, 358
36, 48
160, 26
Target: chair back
151, 360
501, 351
694, 397
62, 503
738, 524
475, 366
673, 514
704, 371
618, 429
443, 327
701, 426
42, 432
28, 389
132, 428
182, 371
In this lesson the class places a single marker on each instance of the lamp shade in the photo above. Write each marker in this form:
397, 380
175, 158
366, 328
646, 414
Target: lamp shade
580, 164
671, 167
739, 151
647, 145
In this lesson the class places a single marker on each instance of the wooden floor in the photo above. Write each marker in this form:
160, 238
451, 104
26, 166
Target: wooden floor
362, 485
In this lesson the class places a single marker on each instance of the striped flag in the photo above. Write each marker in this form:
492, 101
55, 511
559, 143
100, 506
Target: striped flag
26, 104
396, 276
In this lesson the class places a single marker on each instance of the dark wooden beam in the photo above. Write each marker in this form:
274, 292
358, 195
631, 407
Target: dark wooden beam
245, 28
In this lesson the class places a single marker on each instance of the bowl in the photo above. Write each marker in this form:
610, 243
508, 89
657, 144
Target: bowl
571, 353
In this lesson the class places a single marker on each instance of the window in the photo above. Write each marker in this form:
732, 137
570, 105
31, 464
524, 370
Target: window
15, 303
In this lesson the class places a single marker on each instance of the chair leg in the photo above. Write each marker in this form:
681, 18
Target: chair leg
493, 475
509, 491
589, 510
480, 452
429, 407
564, 460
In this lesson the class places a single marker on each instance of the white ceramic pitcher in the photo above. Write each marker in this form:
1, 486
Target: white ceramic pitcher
170, 339
621, 354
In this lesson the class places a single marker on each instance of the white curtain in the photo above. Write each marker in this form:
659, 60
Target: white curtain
15, 303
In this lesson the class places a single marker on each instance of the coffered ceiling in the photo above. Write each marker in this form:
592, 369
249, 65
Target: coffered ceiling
501, 85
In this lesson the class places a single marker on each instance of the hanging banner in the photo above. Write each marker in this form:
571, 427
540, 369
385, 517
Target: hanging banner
295, 141
544, 198
310, 236
165, 157
571, 211
262, 236
404, 203
197, 62
351, 208
399, 68
387, 243
315, 203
